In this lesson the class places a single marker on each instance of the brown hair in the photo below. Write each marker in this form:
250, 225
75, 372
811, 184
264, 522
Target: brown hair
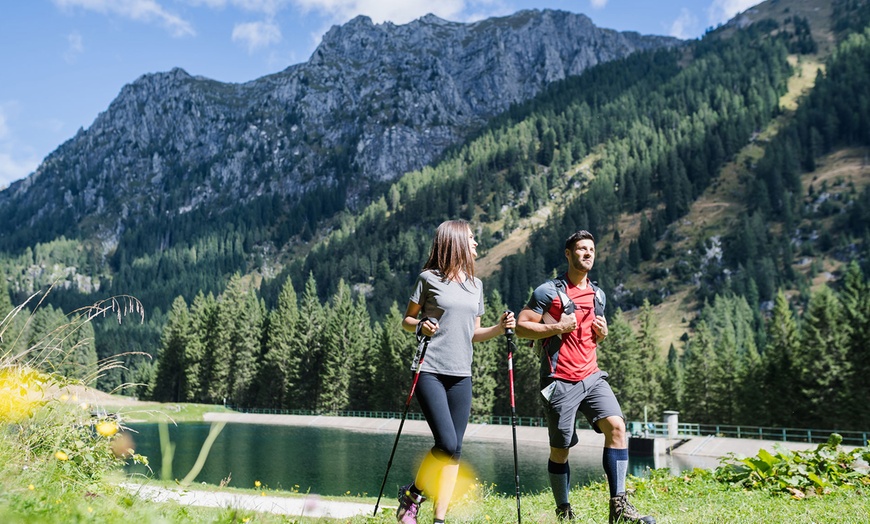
578, 236
450, 253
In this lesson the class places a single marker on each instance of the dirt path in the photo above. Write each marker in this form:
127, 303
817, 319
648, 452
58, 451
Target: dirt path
301, 506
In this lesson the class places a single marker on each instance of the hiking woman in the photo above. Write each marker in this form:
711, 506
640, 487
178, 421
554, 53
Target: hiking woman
448, 299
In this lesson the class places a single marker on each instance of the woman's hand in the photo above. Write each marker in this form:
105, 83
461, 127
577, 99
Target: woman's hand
427, 327
508, 321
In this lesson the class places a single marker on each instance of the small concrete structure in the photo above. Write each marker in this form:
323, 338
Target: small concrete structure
672, 420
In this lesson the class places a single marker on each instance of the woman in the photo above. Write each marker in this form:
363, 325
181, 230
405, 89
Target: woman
450, 299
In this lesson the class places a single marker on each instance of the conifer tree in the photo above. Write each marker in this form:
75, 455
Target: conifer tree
276, 373
855, 297
620, 356
199, 354
60, 344
342, 349
244, 314
652, 367
824, 370
672, 385
780, 371
391, 379
308, 361
167, 379
219, 354
363, 370
699, 359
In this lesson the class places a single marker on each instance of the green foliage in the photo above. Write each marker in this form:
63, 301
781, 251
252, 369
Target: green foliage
799, 473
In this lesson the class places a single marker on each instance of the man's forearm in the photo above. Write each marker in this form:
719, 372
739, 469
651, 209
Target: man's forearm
536, 330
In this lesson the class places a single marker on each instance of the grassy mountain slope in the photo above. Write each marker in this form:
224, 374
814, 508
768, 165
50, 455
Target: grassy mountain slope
716, 211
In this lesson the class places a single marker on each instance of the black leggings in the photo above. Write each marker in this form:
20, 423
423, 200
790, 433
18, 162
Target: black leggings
446, 404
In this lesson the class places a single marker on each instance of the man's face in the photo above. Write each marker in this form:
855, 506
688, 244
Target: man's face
582, 257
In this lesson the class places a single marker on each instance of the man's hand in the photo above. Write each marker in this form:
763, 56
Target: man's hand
599, 325
567, 323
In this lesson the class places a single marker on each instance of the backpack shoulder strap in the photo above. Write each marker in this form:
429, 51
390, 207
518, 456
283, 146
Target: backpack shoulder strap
600, 299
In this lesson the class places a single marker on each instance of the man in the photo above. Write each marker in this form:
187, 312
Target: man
567, 314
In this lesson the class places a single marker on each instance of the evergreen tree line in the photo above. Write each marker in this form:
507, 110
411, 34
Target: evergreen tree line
793, 368
45, 338
303, 354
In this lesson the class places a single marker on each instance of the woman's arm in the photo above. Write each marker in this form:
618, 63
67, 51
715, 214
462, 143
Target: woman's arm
410, 322
485, 333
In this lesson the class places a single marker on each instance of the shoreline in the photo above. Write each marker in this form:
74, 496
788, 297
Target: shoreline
670, 453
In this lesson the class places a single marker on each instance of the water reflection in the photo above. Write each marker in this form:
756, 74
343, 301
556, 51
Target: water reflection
331, 461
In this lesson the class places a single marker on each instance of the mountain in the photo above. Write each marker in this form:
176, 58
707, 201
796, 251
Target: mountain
373, 102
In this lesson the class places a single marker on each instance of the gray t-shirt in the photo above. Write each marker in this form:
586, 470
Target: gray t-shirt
456, 306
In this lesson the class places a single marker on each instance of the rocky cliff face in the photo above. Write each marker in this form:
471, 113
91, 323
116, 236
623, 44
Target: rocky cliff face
373, 102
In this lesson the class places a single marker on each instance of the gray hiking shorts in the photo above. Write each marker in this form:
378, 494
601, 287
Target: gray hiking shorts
591, 396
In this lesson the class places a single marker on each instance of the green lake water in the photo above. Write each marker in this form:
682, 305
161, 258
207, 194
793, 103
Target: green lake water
330, 461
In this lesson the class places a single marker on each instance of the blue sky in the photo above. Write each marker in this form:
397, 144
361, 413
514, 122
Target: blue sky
64, 61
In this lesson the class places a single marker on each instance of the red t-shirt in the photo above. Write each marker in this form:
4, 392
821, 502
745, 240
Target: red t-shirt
577, 357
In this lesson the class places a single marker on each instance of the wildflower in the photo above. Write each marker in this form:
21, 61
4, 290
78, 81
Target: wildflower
31, 487
257, 484
262, 493
60, 455
107, 428
90, 509
84, 406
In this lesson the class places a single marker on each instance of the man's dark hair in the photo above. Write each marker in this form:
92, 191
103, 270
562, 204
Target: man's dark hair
578, 236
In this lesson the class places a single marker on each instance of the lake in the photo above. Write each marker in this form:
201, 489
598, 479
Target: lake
330, 461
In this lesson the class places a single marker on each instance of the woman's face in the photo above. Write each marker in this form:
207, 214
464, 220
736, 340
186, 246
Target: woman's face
472, 244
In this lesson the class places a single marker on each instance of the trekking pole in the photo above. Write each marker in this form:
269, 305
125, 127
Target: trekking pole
509, 335
418, 363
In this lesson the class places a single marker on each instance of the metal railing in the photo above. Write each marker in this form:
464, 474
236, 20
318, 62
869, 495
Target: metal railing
653, 429
808, 435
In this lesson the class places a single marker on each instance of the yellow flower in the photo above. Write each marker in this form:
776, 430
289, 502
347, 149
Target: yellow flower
107, 428
31, 487
257, 484
262, 493
60, 455
90, 509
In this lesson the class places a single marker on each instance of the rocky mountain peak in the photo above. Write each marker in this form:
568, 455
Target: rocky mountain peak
373, 102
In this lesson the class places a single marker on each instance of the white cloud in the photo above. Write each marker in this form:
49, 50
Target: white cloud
74, 48
685, 26
268, 7
139, 10
12, 169
16, 161
255, 35
721, 11
598, 4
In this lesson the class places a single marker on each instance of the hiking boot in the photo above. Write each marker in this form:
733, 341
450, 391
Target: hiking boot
621, 511
564, 512
409, 504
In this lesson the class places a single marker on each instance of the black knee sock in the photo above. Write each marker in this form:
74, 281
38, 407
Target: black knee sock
560, 481
615, 462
